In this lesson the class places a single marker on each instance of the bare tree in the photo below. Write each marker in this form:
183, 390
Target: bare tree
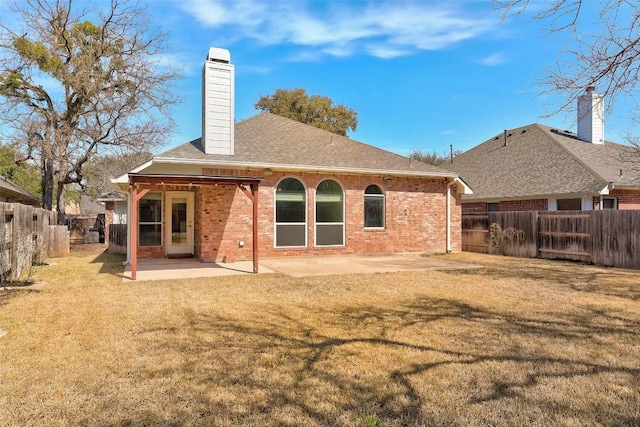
604, 52
76, 83
99, 172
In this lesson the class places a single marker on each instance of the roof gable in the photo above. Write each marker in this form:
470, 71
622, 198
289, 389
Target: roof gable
269, 140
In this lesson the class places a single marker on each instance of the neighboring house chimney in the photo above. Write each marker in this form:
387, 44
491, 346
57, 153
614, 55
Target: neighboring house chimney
217, 102
591, 117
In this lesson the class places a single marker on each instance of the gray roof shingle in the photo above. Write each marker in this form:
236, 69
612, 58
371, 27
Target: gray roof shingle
269, 140
537, 160
12, 191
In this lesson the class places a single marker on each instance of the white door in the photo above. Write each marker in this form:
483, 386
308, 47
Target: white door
179, 223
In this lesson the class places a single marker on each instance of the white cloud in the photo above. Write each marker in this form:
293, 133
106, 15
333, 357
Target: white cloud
380, 29
493, 59
386, 51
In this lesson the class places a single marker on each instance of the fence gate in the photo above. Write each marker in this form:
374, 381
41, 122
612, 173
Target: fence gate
565, 235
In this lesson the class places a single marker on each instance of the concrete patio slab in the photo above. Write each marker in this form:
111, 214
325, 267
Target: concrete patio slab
167, 269
188, 268
352, 264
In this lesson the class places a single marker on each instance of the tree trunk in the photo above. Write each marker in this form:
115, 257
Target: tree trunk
61, 202
47, 184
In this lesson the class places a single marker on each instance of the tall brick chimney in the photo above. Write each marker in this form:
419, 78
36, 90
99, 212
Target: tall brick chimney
217, 102
591, 117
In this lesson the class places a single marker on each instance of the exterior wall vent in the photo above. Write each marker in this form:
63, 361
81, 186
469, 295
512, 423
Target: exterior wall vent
591, 117
217, 102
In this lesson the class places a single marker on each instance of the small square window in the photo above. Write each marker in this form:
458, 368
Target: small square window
609, 203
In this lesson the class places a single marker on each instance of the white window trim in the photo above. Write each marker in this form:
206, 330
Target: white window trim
306, 215
315, 219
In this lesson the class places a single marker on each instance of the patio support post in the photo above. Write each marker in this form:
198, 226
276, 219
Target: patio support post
134, 230
253, 196
135, 198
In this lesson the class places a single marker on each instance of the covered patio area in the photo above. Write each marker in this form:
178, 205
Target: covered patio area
179, 229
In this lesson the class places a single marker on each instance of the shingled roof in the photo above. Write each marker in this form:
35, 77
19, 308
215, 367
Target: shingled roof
538, 161
16, 194
271, 141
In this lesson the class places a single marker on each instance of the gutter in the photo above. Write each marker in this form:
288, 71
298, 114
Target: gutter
623, 186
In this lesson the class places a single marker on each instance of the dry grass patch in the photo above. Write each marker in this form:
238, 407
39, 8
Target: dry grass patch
517, 342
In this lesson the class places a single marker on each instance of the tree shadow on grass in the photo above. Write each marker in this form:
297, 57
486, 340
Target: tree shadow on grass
11, 290
337, 366
606, 281
110, 263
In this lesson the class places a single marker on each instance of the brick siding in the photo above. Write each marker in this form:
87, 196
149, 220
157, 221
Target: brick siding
524, 205
415, 218
626, 199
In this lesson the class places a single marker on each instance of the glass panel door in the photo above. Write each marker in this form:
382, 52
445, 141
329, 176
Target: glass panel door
179, 220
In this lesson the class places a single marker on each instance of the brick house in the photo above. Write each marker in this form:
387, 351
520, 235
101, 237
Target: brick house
536, 167
292, 188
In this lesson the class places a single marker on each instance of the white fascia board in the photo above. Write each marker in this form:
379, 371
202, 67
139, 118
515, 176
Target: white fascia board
303, 168
122, 182
125, 177
142, 166
463, 188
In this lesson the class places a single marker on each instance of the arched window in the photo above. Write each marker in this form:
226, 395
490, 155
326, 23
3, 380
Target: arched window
291, 214
373, 207
329, 214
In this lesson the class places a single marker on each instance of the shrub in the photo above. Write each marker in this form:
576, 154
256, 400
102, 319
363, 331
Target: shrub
502, 238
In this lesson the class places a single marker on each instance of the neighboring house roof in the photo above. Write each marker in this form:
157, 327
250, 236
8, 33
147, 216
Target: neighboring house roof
113, 196
539, 161
16, 194
269, 140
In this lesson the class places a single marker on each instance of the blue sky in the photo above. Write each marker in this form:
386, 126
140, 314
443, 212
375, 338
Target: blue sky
421, 74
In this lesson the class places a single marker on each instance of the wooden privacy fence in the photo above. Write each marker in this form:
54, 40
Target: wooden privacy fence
607, 237
117, 238
28, 236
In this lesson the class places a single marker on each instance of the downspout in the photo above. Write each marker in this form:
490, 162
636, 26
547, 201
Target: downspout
449, 213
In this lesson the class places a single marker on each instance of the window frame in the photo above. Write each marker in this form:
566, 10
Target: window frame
382, 196
315, 217
615, 203
569, 200
160, 222
275, 215
493, 207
